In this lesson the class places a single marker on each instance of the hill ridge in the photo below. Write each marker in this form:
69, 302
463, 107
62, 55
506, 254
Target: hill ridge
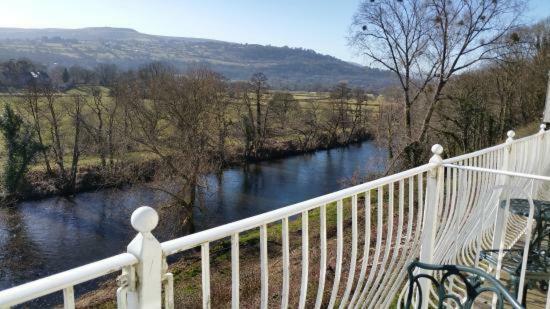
286, 67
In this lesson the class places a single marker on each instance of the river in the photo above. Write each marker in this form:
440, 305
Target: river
43, 237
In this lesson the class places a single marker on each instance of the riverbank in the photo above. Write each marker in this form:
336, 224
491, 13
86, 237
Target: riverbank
38, 184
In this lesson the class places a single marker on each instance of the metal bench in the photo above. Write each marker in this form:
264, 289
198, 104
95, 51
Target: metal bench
538, 260
474, 281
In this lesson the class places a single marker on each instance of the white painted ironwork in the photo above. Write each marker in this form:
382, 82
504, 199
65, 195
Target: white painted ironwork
264, 267
205, 272
286, 264
69, 278
339, 252
323, 258
445, 212
147, 293
235, 279
305, 259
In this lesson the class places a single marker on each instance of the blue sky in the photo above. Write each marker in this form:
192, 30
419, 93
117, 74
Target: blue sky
321, 25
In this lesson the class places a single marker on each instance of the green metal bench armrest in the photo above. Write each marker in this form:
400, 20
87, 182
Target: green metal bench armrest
475, 280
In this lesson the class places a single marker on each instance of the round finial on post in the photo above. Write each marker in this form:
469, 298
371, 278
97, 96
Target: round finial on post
437, 150
510, 135
542, 127
144, 219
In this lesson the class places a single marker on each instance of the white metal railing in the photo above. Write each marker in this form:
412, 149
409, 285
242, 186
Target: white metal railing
65, 281
368, 288
472, 187
445, 211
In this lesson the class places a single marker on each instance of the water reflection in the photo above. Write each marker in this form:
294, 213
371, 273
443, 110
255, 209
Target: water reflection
18, 253
243, 192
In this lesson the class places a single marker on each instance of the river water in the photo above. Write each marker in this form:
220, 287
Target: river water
40, 238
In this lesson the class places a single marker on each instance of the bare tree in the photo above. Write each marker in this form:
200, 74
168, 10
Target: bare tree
426, 43
222, 106
106, 73
337, 113
173, 120
66, 178
282, 104
258, 82
76, 113
96, 127
54, 117
31, 98
259, 87
306, 124
80, 75
506, 93
358, 114
390, 112
240, 95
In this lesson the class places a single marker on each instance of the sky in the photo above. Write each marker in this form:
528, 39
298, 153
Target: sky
321, 25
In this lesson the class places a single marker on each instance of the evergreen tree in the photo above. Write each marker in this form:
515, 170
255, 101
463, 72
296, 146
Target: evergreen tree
66, 76
21, 147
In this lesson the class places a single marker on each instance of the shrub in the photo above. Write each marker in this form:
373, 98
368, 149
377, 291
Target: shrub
21, 148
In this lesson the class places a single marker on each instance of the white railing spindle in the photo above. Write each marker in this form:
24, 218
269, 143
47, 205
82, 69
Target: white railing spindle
68, 298
205, 275
168, 280
264, 267
339, 251
378, 248
286, 264
235, 271
366, 250
387, 248
323, 258
305, 259
351, 274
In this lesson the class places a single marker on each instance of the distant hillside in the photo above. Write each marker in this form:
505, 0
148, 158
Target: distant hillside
286, 67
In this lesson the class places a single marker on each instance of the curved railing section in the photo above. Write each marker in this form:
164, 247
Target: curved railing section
472, 189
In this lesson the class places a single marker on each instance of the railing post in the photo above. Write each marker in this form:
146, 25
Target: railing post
145, 291
431, 209
502, 180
